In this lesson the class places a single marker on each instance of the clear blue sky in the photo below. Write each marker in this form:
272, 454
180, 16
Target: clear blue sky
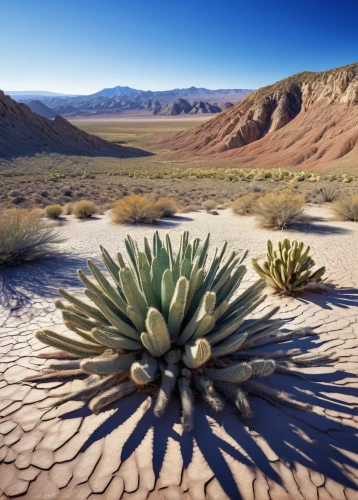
82, 46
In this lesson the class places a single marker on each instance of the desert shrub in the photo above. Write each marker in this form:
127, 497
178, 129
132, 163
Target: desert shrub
53, 211
84, 209
167, 206
16, 200
346, 208
67, 209
190, 208
24, 237
136, 209
329, 193
172, 322
14, 193
66, 190
209, 205
255, 188
244, 204
288, 268
78, 195
278, 210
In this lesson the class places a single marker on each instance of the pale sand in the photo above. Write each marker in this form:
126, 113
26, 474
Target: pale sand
277, 454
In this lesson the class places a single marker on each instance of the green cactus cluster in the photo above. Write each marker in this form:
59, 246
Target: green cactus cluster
163, 322
288, 268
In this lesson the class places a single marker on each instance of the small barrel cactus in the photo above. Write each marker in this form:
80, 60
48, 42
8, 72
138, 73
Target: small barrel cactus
289, 267
166, 323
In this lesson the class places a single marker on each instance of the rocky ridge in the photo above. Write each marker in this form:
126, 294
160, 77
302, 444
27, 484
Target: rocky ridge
124, 99
41, 109
309, 118
23, 132
182, 106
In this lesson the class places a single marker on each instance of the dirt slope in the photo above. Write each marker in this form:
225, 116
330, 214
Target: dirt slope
307, 120
23, 132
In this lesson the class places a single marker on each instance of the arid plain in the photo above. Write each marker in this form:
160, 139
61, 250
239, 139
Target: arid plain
60, 451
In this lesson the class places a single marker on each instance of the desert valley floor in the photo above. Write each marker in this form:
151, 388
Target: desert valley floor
125, 452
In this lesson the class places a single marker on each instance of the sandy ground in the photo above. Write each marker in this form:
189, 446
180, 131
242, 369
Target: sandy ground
125, 452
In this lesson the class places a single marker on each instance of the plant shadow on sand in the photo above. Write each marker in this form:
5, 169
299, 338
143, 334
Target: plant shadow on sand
165, 223
343, 298
20, 283
310, 225
312, 440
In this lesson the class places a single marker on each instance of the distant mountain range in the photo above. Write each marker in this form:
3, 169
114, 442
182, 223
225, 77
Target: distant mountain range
191, 92
118, 99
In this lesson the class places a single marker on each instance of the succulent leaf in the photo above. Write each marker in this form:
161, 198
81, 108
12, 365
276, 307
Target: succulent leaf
157, 332
197, 353
235, 373
144, 371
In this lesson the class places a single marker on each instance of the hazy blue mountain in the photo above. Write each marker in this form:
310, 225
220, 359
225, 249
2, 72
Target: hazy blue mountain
34, 94
123, 99
40, 108
116, 91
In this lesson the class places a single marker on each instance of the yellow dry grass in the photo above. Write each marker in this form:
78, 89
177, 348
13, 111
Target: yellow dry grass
346, 208
84, 209
279, 210
136, 209
24, 237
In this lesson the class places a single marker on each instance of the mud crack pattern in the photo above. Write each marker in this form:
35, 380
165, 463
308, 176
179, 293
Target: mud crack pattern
125, 452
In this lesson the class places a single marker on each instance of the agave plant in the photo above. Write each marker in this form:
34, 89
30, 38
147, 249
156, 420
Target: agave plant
166, 323
289, 267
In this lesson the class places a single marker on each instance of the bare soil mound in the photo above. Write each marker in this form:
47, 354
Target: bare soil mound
308, 119
23, 132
